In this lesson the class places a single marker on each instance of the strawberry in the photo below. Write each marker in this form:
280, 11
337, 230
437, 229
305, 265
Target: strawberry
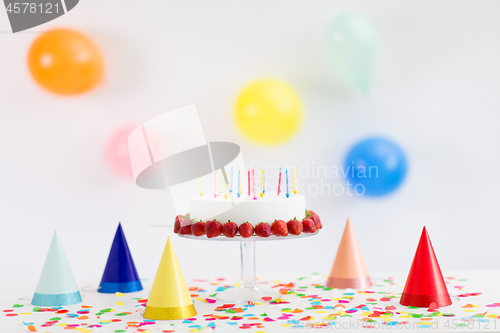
294, 227
213, 228
198, 228
246, 230
279, 228
316, 219
185, 230
263, 229
177, 224
230, 229
308, 226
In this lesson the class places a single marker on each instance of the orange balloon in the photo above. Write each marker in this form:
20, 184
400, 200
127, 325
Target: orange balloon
65, 62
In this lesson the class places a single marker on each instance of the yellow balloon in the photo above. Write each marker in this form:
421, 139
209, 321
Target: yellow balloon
268, 111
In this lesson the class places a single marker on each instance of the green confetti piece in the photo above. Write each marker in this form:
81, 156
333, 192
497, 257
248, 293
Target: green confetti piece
372, 303
120, 331
17, 305
300, 295
462, 280
230, 311
310, 308
319, 287
302, 278
120, 314
55, 318
264, 315
413, 307
328, 288
305, 287
213, 295
381, 292
36, 309
286, 309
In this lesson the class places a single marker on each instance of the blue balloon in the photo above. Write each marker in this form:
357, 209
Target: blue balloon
375, 167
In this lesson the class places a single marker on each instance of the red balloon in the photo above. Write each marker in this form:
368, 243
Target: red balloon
116, 152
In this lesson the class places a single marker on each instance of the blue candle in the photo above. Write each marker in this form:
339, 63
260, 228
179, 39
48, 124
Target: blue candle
286, 175
239, 184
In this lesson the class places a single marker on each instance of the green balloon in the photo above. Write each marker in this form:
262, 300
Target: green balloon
353, 47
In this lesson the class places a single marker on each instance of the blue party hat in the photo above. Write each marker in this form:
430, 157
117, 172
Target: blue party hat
120, 274
56, 286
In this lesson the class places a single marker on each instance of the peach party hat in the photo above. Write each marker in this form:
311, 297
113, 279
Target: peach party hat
349, 270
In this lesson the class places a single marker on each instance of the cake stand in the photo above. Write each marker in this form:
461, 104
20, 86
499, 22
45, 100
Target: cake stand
248, 289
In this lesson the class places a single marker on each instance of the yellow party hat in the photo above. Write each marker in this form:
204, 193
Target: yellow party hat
169, 298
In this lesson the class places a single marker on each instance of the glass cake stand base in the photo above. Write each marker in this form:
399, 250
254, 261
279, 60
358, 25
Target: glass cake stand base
248, 290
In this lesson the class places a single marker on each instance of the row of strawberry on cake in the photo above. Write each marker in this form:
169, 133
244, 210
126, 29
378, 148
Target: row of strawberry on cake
213, 228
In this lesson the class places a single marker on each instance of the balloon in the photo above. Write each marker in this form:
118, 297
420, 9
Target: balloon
268, 111
117, 153
65, 62
375, 166
352, 47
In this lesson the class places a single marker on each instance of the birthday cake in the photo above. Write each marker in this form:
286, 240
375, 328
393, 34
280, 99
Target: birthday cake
236, 215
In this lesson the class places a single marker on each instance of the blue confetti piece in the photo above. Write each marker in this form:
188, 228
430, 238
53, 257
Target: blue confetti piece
220, 289
232, 323
195, 326
365, 308
316, 303
150, 320
72, 315
27, 323
212, 324
187, 322
348, 293
329, 307
248, 315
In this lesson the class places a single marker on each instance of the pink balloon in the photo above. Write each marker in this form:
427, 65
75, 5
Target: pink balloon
116, 153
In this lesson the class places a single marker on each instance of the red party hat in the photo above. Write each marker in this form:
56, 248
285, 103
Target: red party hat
425, 283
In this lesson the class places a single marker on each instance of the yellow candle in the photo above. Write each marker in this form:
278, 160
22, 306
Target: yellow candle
294, 183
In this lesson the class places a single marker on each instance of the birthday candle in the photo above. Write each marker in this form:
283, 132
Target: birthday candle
201, 183
279, 182
220, 182
294, 182
253, 184
248, 182
215, 184
262, 183
264, 190
239, 184
231, 189
287, 193
225, 187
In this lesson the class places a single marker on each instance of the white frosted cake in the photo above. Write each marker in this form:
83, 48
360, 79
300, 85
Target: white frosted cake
252, 213
265, 209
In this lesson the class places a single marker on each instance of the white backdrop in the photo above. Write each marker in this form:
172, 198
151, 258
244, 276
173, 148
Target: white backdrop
436, 94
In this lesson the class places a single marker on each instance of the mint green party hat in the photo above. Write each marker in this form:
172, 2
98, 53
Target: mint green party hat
56, 285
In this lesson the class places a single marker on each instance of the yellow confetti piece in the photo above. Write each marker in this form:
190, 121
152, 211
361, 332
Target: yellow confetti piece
119, 294
276, 281
320, 311
469, 310
26, 313
366, 313
61, 324
260, 332
194, 330
258, 303
286, 325
403, 312
325, 275
405, 316
106, 321
491, 316
120, 303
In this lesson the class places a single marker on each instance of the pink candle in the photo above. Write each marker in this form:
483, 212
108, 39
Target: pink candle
279, 182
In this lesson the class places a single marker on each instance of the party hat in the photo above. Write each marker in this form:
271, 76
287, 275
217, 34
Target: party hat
120, 273
425, 283
169, 298
56, 285
349, 270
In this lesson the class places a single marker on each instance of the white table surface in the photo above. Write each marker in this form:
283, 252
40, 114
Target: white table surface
485, 282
